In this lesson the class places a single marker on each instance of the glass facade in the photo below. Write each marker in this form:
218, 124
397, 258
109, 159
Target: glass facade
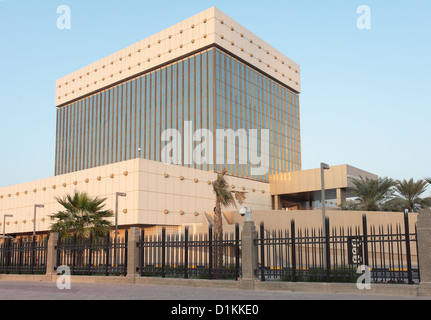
211, 89
245, 98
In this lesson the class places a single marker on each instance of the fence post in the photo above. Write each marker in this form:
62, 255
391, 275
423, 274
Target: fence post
133, 253
126, 251
141, 252
292, 228
365, 232
108, 249
8, 254
424, 252
74, 246
236, 251
90, 254
262, 251
20, 250
210, 251
163, 251
51, 255
249, 255
328, 252
408, 251
33, 253
186, 252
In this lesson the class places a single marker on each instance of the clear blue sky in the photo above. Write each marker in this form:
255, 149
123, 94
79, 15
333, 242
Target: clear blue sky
365, 101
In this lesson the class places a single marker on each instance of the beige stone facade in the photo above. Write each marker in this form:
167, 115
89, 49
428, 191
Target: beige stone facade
300, 189
157, 194
208, 28
337, 177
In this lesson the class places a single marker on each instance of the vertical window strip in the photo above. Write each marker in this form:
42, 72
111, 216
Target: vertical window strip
84, 133
290, 131
136, 118
124, 107
285, 131
132, 126
294, 131
175, 96
163, 111
111, 125
186, 104
75, 137
72, 140
129, 120
102, 113
141, 121
96, 130
94, 112
180, 105
298, 128
57, 142
212, 88
62, 142
153, 115
115, 144
280, 129
147, 115
119, 136
106, 127
79, 138
69, 138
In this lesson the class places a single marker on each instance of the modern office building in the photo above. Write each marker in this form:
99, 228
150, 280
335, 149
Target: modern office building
208, 71
207, 85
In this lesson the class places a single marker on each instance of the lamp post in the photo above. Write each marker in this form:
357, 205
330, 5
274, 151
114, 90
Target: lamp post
34, 219
4, 224
323, 167
118, 194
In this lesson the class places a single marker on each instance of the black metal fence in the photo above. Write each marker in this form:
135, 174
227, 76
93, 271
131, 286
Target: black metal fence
309, 255
93, 256
23, 257
203, 256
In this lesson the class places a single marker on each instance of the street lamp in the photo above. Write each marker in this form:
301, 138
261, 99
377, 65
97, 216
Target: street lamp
323, 167
34, 220
118, 194
4, 224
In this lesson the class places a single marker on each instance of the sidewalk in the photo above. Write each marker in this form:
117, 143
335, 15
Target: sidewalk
30, 290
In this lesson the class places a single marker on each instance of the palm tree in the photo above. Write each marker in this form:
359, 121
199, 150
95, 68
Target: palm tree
225, 197
372, 193
409, 193
82, 215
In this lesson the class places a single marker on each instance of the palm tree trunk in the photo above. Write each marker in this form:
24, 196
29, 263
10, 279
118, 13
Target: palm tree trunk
218, 228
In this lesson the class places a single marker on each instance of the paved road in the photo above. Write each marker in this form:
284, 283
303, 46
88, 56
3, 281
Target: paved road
22, 290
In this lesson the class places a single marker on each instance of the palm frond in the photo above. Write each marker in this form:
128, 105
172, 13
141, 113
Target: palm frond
409, 193
81, 215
